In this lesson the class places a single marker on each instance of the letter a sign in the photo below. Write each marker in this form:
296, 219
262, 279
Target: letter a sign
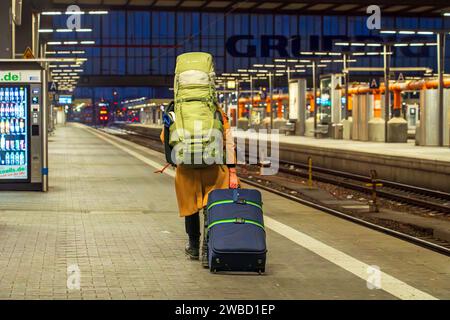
374, 84
52, 87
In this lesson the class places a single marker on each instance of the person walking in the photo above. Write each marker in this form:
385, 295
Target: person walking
195, 95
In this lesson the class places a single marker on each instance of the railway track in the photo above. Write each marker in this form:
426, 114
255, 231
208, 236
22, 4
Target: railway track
413, 196
419, 197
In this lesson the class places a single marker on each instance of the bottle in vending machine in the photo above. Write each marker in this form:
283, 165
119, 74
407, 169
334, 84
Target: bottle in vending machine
17, 143
12, 126
7, 126
2, 126
17, 158
17, 126
7, 158
22, 95
22, 145
2, 142
22, 126
22, 158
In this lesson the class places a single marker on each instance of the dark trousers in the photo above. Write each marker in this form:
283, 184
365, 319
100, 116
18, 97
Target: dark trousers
192, 224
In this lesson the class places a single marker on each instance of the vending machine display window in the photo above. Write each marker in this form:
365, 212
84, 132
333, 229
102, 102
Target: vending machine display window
14, 133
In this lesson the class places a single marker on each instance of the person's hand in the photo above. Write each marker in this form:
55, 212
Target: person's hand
234, 181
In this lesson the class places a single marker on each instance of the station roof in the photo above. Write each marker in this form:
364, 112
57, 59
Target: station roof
311, 7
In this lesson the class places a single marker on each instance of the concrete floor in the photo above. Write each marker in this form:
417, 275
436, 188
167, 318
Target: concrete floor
111, 217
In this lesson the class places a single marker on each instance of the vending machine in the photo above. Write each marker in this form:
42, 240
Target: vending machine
23, 152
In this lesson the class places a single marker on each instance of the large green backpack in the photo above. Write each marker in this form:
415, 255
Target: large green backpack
196, 135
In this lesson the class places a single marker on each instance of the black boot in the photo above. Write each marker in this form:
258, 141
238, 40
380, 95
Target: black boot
193, 249
193, 231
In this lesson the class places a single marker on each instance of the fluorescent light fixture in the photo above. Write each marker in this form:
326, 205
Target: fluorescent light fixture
373, 53
358, 44
374, 44
326, 61
320, 53
430, 44
292, 60
279, 60
51, 13
63, 52
335, 54
417, 44
70, 13
78, 52
446, 14
280, 66
400, 45
321, 65
425, 32
258, 65
406, 32
50, 52
57, 70
70, 42
358, 53
87, 42
98, 12
242, 70
388, 31
45, 30
344, 44
300, 70
269, 66
55, 43
306, 53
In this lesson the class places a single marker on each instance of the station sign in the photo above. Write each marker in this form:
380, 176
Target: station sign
52, 87
20, 76
374, 84
401, 78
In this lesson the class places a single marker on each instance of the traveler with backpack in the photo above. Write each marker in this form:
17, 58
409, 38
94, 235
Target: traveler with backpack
198, 140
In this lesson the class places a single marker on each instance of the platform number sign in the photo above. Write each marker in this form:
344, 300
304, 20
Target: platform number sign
52, 87
374, 84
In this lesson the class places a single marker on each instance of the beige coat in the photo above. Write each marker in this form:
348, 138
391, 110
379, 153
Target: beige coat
192, 186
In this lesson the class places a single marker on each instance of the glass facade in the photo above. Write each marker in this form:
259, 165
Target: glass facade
147, 43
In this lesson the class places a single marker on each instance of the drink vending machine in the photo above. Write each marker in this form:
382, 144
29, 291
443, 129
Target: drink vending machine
23, 134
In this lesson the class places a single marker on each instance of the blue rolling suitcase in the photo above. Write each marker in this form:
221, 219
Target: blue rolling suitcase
235, 231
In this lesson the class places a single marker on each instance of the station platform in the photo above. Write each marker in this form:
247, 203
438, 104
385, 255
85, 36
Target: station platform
426, 167
109, 215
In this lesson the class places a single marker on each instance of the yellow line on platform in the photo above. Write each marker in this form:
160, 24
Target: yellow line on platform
360, 269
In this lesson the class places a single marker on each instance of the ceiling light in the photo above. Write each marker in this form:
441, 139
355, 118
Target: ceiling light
51, 13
